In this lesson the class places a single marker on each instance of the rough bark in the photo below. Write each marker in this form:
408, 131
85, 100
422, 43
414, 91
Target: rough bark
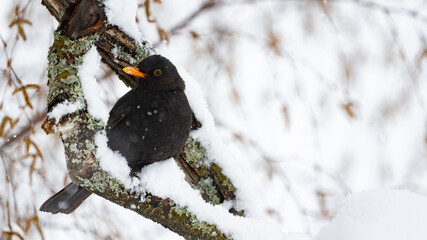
77, 130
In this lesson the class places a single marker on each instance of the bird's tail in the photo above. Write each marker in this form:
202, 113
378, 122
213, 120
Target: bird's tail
66, 200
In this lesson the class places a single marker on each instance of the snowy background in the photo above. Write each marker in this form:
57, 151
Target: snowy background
321, 104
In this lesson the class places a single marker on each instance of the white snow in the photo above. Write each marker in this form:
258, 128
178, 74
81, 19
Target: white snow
122, 14
87, 72
165, 177
246, 197
64, 108
112, 162
379, 214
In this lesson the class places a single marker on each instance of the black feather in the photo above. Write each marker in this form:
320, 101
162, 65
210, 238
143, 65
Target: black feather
66, 200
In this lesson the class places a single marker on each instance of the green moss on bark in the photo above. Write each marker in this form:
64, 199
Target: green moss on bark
206, 186
213, 184
65, 56
101, 181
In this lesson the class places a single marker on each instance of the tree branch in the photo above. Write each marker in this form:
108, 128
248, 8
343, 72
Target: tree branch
77, 130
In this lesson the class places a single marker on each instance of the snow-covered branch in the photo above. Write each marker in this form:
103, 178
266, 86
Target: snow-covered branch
78, 125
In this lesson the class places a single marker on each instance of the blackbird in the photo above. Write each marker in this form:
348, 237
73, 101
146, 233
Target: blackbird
148, 124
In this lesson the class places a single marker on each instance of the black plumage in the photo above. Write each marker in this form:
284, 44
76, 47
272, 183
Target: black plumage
148, 124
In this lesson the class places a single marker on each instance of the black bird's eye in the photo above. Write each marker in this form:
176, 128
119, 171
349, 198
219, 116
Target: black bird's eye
157, 72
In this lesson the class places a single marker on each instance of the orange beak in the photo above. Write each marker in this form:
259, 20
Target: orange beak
134, 71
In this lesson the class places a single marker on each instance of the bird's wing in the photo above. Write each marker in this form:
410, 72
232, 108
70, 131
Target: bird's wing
120, 110
116, 117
